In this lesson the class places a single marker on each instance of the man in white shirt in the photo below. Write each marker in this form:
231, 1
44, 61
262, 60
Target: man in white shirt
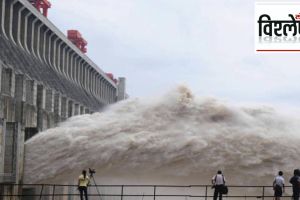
278, 185
218, 182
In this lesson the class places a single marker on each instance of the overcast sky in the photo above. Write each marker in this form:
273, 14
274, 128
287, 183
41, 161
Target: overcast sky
206, 44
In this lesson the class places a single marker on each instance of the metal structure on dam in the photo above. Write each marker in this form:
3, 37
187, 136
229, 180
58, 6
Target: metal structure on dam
45, 79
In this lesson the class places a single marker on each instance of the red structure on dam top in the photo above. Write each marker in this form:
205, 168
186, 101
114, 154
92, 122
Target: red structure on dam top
111, 76
76, 38
41, 5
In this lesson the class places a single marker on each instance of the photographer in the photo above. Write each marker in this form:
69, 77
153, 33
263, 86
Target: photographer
83, 181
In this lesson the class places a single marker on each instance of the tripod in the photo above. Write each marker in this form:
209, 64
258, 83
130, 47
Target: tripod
91, 175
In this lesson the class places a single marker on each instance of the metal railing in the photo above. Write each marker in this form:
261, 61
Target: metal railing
134, 192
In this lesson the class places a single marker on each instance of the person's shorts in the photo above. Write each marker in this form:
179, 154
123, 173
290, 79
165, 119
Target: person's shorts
277, 191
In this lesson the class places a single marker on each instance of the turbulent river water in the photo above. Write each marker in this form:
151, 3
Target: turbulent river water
177, 138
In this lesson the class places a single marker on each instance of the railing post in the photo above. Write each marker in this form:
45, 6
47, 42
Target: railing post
263, 193
154, 190
206, 192
53, 192
41, 191
122, 190
12, 190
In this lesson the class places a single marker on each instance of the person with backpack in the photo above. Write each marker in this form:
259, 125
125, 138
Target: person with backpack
218, 182
295, 181
278, 185
83, 182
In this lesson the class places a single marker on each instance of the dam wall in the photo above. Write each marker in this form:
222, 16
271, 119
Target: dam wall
45, 79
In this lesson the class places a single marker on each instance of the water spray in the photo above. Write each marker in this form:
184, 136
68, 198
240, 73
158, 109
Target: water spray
166, 140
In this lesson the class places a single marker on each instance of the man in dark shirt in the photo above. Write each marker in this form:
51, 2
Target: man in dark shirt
295, 181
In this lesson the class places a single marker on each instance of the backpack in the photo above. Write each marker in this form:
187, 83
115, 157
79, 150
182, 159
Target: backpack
224, 189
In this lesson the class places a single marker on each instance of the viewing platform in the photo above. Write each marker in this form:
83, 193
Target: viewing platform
134, 192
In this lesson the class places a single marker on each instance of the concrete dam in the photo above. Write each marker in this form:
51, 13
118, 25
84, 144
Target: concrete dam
154, 148
45, 79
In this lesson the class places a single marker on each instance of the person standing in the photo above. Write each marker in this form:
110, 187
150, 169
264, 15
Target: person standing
83, 181
295, 181
278, 185
218, 181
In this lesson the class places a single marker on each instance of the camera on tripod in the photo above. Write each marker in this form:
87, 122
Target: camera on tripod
92, 172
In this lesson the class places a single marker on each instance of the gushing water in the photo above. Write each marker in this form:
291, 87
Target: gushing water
177, 138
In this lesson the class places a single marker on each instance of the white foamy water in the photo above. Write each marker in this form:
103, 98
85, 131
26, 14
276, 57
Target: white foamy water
174, 139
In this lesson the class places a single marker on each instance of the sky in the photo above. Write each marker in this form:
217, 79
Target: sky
207, 45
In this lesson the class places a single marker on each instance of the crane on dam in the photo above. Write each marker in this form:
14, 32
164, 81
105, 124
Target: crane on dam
41, 5
76, 38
